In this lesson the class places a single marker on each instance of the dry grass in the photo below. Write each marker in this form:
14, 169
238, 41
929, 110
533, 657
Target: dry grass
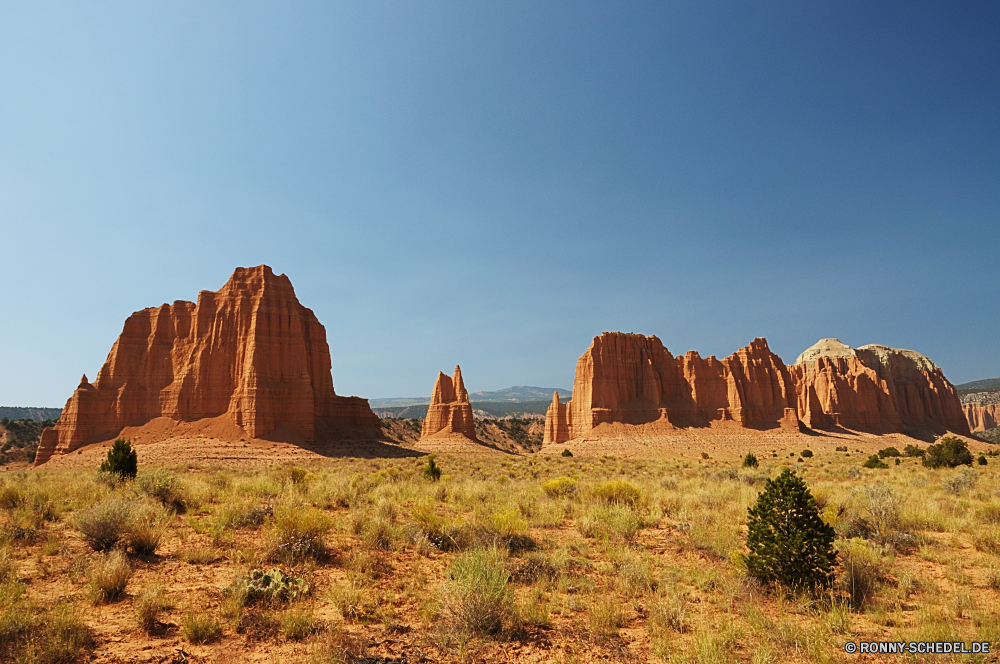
584, 559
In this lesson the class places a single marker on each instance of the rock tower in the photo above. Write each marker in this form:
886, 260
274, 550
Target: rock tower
249, 351
450, 411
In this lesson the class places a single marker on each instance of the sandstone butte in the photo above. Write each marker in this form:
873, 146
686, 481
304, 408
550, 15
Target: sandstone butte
982, 416
249, 352
874, 388
633, 379
450, 411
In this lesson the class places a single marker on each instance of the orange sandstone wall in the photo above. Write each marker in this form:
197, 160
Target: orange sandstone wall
450, 411
874, 388
249, 350
982, 417
633, 379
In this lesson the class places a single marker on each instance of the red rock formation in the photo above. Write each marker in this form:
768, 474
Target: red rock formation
982, 416
249, 350
450, 411
633, 379
874, 388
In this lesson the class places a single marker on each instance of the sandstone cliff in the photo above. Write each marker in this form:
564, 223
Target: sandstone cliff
450, 411
982, 416
250, 351
874, 388
633, 379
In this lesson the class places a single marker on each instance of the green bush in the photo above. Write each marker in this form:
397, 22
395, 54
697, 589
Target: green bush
807, 453
432, 471
888, 452
789, 543
950, 452
874, 462
914, 451
750, 460
122, 460
982, 460
566, 453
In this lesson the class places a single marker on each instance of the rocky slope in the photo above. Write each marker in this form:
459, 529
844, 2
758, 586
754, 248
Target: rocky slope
249, 352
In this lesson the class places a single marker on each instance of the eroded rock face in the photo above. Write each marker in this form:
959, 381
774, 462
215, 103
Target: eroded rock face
249, 350
982, 416
633, 379
874, 388
450, 411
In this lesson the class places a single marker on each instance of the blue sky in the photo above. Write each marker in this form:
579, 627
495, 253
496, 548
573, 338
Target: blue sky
494, 184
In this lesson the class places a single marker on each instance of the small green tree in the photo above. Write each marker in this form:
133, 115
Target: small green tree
950, 452
874, 462
122, 460
750, 460
432, 471
566, 453
789, 543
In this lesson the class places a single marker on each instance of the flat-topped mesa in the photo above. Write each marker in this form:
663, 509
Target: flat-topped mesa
633, 379
874, 388
250, 351
450, 411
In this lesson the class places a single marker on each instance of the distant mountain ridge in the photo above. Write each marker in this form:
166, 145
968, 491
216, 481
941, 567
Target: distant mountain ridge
985, 385
29, 413
518, 394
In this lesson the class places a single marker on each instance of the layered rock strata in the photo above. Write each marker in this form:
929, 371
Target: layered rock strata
250, 351
450, 411
633, 379
874, 388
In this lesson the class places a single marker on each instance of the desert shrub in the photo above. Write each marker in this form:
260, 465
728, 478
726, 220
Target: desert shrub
960, 482
298, 623
270, 587
990, 513
914, 451
162, 485
949, 453
432, 471
107, 575
982, 460
807, 453
611, 521
668, 611
122, 461
146, 525
881, 505
841, 448
987, 540
750, 460
888, 452
607, 616
54, 636
789, 543
8, 566
148, 605
566, 453
635, 575
198, 628
298, 533
559, 486
617, 492
862, 569
874, 462
298, 475
352, 601
106, 523
479, 596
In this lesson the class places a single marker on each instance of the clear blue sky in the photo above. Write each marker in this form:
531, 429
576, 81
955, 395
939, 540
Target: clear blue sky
493, 184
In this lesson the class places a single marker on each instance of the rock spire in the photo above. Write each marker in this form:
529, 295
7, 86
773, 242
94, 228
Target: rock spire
450, 411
